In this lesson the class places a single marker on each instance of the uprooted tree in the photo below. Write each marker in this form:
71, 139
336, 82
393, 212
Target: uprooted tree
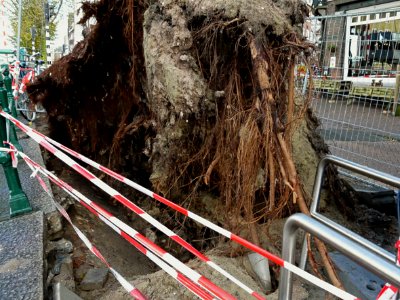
192, 98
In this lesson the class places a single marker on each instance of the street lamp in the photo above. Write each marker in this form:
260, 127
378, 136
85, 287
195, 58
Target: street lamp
33, 34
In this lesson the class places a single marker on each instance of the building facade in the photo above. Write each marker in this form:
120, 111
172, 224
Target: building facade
362, 41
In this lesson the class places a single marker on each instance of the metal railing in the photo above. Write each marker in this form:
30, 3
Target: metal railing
359, 249
375, 263
359, 169
18, 202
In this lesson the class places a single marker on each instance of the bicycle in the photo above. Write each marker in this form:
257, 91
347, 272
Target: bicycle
24, 105
27, 108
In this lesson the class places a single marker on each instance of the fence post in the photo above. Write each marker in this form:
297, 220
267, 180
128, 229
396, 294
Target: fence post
8, 85
396, 93
19, 203
12, 135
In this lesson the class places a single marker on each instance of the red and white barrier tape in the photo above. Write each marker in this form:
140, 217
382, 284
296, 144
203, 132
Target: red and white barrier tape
388, 292
128, 287
11, 151
128, 233
29, 77
35, 168
44, 141
120, 198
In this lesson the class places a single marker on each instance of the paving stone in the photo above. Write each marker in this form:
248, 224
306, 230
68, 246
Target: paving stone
81, 271
60, 246
94, 279
21, 257
55, 228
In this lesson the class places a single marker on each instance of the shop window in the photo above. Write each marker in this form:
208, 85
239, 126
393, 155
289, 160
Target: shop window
374, 47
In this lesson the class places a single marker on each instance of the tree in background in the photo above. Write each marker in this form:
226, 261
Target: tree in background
33, 23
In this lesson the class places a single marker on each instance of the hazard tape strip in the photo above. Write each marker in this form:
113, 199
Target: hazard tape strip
44, 141
127, 286
40, 138
35, 167
29, 77
11, 151
390, 292
128, 233
205, 222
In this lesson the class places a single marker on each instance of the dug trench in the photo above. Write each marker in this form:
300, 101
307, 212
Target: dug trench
196, 102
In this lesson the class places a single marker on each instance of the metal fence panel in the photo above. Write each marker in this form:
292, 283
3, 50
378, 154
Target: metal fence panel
354, 78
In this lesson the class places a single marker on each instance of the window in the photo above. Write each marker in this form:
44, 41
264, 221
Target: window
354, 19
374, 45
363, 18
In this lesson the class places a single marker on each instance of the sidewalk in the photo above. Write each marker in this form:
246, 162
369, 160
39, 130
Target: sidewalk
22, 238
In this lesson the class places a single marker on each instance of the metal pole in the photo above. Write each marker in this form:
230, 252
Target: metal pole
19, 30
47, 26
396, 92
388, 271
